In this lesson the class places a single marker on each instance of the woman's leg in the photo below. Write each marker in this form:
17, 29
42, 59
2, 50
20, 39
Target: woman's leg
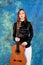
28, 54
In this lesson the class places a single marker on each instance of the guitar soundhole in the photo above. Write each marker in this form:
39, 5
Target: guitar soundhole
17, 60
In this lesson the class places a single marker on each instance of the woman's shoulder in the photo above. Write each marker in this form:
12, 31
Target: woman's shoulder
29, 22
14, 24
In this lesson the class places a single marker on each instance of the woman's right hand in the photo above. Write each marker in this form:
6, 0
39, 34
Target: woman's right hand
17, 39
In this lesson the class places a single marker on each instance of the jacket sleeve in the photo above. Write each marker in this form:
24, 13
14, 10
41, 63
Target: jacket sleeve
14, 31
30, 33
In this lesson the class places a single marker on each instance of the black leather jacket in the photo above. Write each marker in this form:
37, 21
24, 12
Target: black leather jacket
25, 32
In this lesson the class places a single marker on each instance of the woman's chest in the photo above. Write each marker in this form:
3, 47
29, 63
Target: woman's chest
24, 29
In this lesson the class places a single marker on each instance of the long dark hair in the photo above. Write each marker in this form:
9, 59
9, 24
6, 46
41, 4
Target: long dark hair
18, 19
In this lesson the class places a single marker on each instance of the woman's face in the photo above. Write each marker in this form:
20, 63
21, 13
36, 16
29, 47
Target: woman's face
22, 15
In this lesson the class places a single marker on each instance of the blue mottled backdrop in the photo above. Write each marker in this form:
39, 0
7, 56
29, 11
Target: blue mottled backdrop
8, 15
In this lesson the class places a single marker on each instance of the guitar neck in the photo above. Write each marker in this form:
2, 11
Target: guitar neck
17, 47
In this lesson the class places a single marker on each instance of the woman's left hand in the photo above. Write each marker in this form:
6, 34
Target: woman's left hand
24, 43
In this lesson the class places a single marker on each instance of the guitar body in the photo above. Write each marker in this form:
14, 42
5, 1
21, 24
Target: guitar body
18, 58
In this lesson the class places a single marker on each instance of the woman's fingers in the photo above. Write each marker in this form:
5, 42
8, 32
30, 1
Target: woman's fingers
17, 39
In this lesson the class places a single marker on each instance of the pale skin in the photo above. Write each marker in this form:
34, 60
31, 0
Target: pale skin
22, 18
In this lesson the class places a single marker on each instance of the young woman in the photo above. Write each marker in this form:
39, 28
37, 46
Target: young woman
25, 34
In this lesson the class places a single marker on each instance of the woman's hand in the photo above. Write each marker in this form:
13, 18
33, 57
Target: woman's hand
17, 39
24, 43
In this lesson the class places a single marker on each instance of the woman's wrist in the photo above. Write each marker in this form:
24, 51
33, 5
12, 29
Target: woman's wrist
24, 43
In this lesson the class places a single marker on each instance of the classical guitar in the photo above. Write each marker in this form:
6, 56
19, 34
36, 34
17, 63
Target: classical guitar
18, 57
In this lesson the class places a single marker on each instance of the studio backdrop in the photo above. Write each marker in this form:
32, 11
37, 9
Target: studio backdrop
8, 15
